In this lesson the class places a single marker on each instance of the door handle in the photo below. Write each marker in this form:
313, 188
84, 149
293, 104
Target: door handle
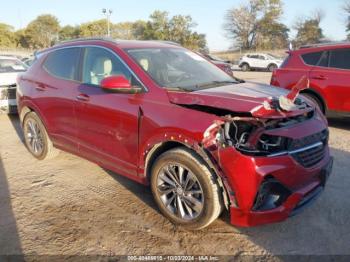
40, 87
320, 77
83, 97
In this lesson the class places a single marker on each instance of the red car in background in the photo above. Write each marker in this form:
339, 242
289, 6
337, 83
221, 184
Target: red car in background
328, 68
224, 65
164, 116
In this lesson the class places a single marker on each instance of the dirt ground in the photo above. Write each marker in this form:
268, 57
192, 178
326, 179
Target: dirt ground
71, 206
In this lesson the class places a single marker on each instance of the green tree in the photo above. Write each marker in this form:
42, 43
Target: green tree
139, 28
123, 30
21, 39
309, 30
178, 28
7, 36
256, 25
157, 28
69, 32
94, 28
43, 31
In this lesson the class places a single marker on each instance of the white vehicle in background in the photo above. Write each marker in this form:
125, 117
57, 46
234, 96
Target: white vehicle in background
259, 61
9, 69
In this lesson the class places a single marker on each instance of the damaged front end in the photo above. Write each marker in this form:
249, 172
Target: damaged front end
248, 134
273, 165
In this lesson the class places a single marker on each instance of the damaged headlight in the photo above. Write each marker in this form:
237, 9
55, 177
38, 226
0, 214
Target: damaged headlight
251, 140
272, 144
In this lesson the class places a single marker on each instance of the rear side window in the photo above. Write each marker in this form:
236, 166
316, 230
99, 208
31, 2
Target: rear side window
324, 59
63, 63
340, 59
312, 58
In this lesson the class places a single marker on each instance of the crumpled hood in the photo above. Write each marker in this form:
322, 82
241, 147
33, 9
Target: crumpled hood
245, 97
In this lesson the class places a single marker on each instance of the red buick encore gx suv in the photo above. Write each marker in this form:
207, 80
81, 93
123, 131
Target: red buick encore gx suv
166, 117
328, 69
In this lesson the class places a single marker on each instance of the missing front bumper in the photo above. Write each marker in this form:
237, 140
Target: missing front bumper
294, 204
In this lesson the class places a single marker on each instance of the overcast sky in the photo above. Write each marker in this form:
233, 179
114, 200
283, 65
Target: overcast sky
208, 14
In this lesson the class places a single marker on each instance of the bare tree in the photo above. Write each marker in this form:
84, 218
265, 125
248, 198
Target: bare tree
255, 24
346, 9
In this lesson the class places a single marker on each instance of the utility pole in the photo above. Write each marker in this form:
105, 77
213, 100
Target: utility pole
108, 14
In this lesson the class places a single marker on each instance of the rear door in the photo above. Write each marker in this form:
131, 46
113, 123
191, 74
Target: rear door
332, 77
55, 93
107, 122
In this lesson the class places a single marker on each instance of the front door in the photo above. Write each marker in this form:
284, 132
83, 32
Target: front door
107, 122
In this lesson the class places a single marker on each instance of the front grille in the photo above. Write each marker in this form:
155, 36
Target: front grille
309, 140
310, 157
312, 154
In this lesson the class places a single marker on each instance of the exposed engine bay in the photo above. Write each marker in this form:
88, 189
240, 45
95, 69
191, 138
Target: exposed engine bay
247, 134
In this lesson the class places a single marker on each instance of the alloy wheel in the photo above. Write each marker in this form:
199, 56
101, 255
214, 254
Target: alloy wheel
34, 137
180, 191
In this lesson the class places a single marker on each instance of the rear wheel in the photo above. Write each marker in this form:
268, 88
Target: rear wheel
316, 100
185, 190
36, 138
245, 67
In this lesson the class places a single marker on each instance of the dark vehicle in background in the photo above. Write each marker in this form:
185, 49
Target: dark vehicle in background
28, 60
214, 58
224, 65
328, 68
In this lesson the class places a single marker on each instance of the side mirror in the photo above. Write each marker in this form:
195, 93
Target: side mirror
118, 84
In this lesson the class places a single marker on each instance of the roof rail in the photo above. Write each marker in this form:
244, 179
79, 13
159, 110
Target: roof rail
325, 44
85, 39
166, 42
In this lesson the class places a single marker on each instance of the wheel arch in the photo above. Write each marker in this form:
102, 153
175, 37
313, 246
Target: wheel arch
165, 146
24, 111
313, 92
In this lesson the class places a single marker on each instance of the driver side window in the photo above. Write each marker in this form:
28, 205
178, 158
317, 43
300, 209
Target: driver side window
100, 63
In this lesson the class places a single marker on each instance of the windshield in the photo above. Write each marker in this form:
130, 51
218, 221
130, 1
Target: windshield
11, 65
179, 68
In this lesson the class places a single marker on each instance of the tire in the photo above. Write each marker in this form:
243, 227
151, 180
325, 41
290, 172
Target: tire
245, 67
316, 100
36, 138
271, 67
196, 210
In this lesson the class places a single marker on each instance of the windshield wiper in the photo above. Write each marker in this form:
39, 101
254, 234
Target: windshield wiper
177, 88
215, 83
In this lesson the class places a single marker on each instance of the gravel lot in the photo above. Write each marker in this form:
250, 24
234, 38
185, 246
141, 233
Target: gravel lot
71, 206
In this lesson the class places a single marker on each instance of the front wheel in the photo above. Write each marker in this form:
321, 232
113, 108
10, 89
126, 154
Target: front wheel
185, 190
271, 67
36, 138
